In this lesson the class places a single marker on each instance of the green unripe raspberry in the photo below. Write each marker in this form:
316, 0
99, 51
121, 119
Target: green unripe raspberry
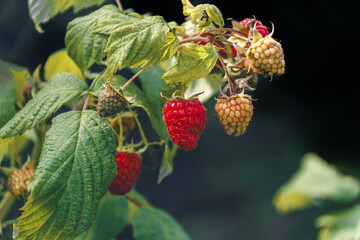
110, 101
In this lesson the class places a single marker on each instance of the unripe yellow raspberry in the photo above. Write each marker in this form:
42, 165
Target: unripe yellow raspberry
234, 113
266, 56
19, 181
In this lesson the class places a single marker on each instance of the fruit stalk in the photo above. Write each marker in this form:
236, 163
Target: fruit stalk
228, 76
132, 78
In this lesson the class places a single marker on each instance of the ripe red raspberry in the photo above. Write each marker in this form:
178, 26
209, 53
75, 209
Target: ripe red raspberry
234, 113
185, 120
19, 181
258, 26
128, 170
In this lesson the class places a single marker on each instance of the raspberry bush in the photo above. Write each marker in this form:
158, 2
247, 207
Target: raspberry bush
84, 117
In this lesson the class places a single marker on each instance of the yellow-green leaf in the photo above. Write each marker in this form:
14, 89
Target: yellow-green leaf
193, 62
60, 61
316, 181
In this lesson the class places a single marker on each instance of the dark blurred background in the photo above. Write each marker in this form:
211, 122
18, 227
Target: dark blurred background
224, 188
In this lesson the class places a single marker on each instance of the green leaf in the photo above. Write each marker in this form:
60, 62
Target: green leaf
209, 85
61, 88
138, 43
155, 224
193, 62
343, 225
111, 218
7, 94
316, 181
19, 73
75, 168
42, 11
85, 47
167, 164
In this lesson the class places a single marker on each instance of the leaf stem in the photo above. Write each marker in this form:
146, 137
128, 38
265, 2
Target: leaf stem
227, 75
85, 103
143, 137
79, 104
134, 201
35, 155
5, 205
118, 3
132, 78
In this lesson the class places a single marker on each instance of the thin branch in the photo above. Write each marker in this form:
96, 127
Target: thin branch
118, 3
194, 39
132, 78
227, 75
85, 103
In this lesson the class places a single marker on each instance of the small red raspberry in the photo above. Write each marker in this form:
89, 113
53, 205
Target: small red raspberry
185, 120
258, 26
19, 181
128, 170
234, 113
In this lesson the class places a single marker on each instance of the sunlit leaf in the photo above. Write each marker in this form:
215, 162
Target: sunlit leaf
60, 61
315, 182
193, 62
342, 225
